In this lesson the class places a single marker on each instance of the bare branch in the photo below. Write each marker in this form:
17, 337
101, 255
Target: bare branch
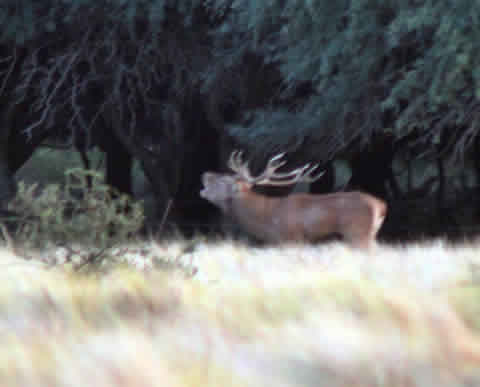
9, 71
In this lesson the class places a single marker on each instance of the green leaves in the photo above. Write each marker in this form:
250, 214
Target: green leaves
417, 60
365, 59
75, 213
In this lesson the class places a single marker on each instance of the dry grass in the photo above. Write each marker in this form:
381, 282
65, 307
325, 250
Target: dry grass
224, 314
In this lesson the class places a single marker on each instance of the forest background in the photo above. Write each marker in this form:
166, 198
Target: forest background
383, 94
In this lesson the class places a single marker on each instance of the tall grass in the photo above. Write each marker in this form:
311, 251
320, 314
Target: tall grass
222, 313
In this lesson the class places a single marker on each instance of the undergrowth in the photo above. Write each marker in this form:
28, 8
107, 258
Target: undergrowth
83, 211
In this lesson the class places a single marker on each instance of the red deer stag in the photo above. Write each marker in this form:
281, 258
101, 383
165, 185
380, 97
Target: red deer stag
356, 216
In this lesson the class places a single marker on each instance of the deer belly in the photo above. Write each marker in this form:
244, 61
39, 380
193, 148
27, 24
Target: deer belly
318, 224
265, 231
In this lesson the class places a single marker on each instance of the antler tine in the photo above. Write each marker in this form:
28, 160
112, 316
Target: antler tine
302, 174
270, 170
273, 164
240, 168
307, 176
233, 161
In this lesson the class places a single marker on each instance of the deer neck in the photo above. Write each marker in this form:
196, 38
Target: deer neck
253, 209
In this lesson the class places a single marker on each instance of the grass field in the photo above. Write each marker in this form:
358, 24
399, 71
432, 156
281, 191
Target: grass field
221, 313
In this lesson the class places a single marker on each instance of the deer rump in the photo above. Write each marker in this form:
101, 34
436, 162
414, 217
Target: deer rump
299, 217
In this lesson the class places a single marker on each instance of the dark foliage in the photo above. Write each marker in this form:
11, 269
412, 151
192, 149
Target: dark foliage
179, 82
376, 66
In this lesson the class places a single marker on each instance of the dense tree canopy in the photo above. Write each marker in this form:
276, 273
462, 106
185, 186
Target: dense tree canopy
322, 79
394, 65
373, 66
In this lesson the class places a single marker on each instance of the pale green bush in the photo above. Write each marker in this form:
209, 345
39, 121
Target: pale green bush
77, 212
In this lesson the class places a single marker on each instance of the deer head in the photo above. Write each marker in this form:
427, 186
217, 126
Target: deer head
220, 188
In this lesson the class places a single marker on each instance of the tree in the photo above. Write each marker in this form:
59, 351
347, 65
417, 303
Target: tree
132, 73
375, 66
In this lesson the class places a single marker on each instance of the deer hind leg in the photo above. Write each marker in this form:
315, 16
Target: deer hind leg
362, 232
358, 235
366, 239
378, 216
369, 241
364, 235
363, 241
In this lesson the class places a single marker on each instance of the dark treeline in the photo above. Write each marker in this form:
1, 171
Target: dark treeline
388, 87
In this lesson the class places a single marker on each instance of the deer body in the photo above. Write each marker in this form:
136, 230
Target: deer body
300, 217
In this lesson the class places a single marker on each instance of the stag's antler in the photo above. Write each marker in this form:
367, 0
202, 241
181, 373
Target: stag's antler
303, 174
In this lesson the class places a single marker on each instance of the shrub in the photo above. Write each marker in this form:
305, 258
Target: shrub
84, 211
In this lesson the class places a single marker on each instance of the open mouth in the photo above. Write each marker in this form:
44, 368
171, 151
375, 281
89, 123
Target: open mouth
205, 179
203, 193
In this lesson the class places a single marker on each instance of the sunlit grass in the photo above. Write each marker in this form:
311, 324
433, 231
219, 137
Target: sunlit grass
221, 313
